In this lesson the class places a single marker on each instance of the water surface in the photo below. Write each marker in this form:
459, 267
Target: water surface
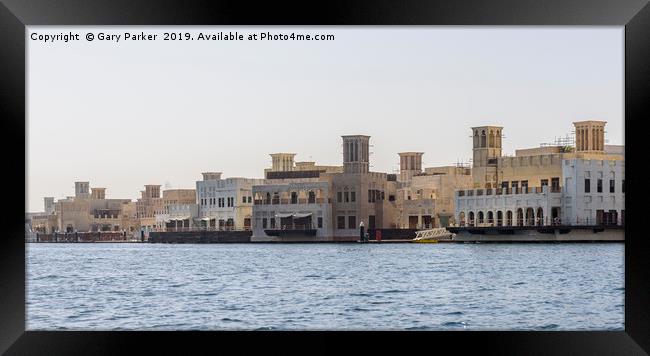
113, 286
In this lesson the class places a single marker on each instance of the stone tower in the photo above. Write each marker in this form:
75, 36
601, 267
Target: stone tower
282, 162
356, 154
48, 203
152, 191
98, 193
486, 143
82, 189
590, 136
410, 164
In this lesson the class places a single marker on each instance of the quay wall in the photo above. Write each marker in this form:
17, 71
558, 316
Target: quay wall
547, 234
95, 236
197, 237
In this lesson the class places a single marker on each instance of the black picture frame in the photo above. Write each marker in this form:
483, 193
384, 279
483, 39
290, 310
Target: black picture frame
16, 14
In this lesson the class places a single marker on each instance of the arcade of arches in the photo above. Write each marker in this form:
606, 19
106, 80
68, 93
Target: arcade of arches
525, 216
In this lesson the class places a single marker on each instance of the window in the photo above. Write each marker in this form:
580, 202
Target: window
352, 222
524, 186
272, 223
264, 223
243, 199
339, 197
544, 183
320, 222
611, 186
555, 184
340, 222
515, 184
346, 197
391, 198
599, 186
587, 185
250, 199
353, 196
504, 185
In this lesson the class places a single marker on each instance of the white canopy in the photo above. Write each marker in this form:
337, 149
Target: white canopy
295, 215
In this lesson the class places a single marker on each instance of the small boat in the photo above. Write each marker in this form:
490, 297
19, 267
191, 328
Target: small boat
433, 235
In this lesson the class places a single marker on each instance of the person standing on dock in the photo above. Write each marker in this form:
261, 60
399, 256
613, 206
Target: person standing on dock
361, 232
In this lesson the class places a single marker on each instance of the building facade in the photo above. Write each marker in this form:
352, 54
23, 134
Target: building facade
581, 184
225, 204
292, 209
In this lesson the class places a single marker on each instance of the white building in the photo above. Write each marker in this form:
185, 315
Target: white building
225, 204
593, 194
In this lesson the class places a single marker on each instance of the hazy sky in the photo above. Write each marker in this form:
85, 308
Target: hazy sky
125, 114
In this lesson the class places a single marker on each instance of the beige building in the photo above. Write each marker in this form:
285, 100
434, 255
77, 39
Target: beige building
427, 199
333, 199
147, 206
87, 210
534, 167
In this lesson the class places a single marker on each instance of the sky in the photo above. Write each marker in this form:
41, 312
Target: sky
129, 113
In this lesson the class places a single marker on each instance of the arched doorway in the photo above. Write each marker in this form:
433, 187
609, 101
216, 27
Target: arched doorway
461, 218
499, 218
471, 218
480, 218
555, 215
520, 217
490, 218
530, 217
509, 218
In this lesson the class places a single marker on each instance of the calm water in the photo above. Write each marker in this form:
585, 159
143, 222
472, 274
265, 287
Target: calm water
325, 286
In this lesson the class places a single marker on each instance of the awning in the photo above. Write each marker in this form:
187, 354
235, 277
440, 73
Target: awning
207, 219
301, 215
283, 215
180, 219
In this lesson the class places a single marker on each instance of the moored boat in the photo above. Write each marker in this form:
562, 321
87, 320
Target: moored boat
433, 235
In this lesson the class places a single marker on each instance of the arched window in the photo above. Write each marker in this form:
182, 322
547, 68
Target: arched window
483, 138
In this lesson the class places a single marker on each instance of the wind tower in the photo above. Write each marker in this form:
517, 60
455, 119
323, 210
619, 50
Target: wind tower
486, 143
356, 154
410, 164
590, 136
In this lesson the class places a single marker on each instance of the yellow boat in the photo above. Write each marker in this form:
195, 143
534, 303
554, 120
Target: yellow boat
432, 235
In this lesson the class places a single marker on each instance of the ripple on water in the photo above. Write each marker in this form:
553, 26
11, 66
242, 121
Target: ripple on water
549, 327
454, 313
